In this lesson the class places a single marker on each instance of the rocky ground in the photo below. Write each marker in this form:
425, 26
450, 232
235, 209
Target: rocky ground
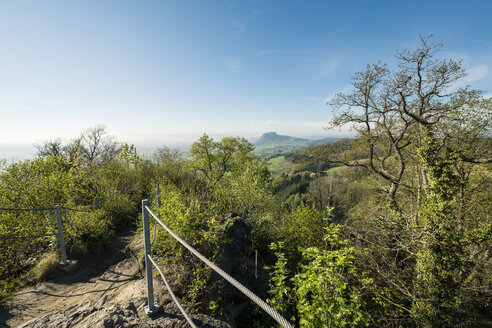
107, 290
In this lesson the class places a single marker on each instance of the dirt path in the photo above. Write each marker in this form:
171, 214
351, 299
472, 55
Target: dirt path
97, 276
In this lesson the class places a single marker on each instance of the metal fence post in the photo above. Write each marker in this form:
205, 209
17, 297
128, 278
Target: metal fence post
151, 306
256, 264
60, 235
158, 194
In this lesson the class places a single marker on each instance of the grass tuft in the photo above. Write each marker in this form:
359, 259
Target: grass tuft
44, 268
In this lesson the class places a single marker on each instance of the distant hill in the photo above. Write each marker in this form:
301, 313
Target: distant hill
271, 144
274, 139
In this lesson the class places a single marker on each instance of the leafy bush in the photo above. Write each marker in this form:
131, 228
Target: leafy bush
327, 289
301, 228
87, 228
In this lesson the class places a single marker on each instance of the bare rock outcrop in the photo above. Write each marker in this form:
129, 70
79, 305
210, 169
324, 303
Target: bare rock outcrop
116, 311
106, 291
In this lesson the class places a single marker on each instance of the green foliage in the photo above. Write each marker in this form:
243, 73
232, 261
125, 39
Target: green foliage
220, 177
329, 285
190, 225
175, 214
213, 159
7, 291
290, 185
423, 144
342, 188
246, 191
62, 176
35, 183
301, 228
129, 155
199, 283
88, 228
230, 177
170, 167
447, 265
327, 288
279, 290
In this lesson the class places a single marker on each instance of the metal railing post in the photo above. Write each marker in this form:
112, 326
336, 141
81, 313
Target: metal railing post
60, 235
151, 307
256, 264
158, 194
252, 296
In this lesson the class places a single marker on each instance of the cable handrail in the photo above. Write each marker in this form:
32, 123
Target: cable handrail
27, 209
157, 202
267, 308
252, 296
28, 236
31, 238
20, 209
39, 234
171, 293
86, 209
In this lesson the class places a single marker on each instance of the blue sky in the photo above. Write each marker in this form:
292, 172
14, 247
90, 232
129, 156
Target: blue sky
158, 71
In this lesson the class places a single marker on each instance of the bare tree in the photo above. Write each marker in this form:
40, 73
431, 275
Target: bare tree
94, 145
421, 137
97, 146
390, 108
50, 147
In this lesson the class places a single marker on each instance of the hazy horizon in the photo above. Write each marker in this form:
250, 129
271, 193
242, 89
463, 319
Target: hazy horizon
146, 145
148, 70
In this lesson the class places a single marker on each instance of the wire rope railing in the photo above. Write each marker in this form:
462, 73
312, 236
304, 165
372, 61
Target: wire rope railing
38, 234
180, 307
26, 209
152, 307
149, 261
156, 201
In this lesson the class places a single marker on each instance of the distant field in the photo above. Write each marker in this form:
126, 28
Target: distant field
336, 168
279, 165
273, 149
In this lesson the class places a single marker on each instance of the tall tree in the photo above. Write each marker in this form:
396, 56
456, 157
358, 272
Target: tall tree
98, 146
389, 108
214, 158
422, 138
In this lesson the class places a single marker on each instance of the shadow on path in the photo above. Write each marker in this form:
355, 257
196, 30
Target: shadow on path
100, 273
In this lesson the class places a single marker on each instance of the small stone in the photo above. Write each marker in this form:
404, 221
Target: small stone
70, 267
